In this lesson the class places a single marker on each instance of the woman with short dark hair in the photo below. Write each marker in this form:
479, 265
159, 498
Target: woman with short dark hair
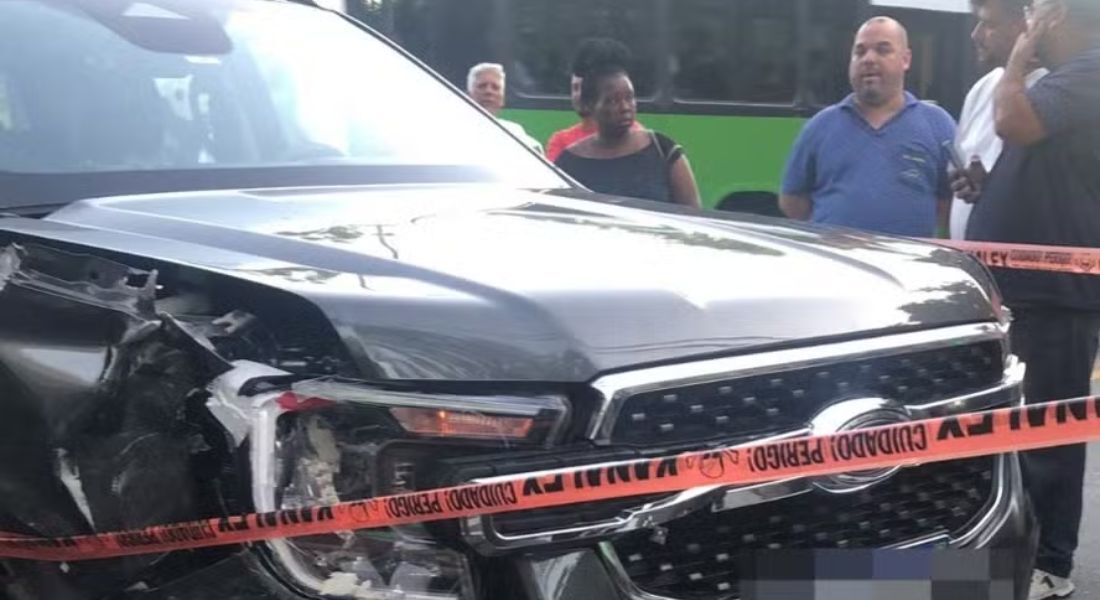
590, 53
620, 159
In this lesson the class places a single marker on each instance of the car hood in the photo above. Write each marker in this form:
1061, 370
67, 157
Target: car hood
484, 283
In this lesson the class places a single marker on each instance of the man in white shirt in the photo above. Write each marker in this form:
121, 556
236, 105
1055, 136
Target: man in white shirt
485, 84
1000, 23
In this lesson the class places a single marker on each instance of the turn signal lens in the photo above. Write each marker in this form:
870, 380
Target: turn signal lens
446, 423
506, 418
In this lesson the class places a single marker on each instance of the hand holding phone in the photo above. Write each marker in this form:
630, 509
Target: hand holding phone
966, 180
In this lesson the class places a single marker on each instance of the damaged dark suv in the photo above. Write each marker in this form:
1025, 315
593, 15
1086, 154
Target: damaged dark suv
254, 257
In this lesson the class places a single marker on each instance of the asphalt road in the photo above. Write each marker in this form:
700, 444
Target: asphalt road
1087, 573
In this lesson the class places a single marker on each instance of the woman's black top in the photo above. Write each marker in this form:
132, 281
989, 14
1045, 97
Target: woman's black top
643, 174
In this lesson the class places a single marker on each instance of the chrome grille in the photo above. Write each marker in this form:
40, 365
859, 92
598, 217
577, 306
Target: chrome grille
700, 556
770, 403
930, 373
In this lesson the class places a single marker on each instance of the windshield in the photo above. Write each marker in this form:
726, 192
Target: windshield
107, 86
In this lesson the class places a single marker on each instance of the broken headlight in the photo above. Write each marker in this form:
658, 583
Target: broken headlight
327, 442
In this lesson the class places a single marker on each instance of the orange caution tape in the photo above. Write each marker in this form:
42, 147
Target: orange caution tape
1061, 259
905, 444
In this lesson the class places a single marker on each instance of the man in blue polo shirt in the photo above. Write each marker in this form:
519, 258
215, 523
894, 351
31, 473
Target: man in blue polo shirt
875, 161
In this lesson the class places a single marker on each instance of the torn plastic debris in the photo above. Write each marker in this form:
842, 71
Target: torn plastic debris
229, 405
324, 456
96, 389
328, 440
69, 474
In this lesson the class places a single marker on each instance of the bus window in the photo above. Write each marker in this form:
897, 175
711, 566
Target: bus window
451, 36
743, 51
831, 29
545, 34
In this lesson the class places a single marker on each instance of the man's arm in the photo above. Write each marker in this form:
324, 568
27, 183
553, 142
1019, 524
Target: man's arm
1016, 119
943, 217
946, 132
1014, 116
796, 193
796, 206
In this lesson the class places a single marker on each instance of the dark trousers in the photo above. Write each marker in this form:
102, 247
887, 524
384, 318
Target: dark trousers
1059, 347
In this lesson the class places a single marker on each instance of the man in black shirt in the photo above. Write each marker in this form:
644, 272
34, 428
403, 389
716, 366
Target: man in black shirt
1045, 189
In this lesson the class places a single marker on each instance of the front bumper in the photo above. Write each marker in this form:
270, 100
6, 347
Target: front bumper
1008, 533
1014, 536
546, 570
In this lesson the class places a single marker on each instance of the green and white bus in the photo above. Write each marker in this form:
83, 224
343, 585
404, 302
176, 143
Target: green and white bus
733, 81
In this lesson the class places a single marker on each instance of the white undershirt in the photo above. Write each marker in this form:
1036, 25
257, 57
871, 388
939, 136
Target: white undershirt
977, 136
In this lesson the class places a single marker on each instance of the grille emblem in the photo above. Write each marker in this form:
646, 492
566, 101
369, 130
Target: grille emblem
850, 415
